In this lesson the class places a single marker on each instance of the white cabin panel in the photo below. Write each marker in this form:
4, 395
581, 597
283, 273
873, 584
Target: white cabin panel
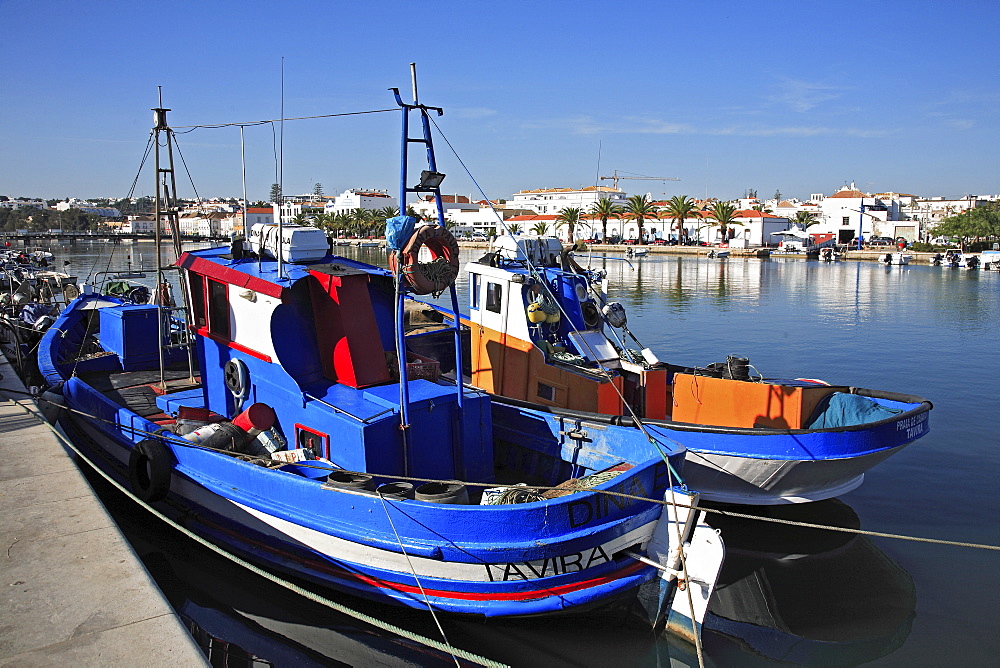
250, 319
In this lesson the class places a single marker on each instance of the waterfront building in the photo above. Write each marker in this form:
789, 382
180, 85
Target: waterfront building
294, 206
233, 224
554, 200
138, 225
426, 206
360, 198
925, 213
87, 207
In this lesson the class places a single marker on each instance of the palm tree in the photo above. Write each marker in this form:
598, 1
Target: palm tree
569, 218
604, 208
724, 215
362, 220
540, 228
806, 219
324, 221
679, 208
760, 207
641, 208
514, 228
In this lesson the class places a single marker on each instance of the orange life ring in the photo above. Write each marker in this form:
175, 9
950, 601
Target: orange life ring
442, 245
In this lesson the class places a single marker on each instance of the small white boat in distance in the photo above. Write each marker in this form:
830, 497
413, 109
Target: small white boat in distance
719, 253
990, 259
898, 258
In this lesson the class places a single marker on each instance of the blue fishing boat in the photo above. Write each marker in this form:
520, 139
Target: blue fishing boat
543, 333
281, 415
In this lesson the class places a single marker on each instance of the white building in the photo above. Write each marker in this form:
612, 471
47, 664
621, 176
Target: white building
22, 203
848, 211
138, 225
360, 198
554, 200
233, 224
452, 205
293, 207
924, 214
87, 207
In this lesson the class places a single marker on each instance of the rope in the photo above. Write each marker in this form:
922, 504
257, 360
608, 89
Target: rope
413, 572
174, 440
367, 619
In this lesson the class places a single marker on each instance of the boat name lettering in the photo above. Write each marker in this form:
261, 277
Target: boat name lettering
540, 568
913, 425
596, 506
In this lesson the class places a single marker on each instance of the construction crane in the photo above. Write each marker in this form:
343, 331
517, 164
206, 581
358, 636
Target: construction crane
615, 178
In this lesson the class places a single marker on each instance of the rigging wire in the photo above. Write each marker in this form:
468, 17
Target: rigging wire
214, 126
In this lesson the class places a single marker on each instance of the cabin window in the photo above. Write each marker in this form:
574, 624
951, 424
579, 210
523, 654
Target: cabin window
315, 443
847, 221
474, 292
218, 308
196, 284
546, 392
494, 297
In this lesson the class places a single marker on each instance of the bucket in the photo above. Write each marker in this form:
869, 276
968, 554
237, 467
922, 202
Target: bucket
442, 492
348, 480
396, 490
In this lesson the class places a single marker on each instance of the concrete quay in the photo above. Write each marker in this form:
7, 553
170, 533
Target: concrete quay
74, 592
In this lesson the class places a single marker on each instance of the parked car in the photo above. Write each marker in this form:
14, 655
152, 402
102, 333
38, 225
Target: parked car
881, 241
660, 242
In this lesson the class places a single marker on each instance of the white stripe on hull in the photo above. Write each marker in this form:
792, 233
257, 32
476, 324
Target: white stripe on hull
342, 549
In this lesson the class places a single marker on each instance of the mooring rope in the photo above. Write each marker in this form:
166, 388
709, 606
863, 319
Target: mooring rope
291, 586
176, 440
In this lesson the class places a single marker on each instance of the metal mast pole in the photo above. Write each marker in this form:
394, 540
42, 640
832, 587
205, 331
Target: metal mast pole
159, 125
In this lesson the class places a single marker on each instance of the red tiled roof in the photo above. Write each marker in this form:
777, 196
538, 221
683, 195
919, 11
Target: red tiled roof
848, 194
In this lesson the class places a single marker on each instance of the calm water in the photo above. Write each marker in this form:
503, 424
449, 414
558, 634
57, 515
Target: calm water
787, 596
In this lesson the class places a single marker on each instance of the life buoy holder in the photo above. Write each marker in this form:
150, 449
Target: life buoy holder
149, 467
442, 245
591, 314
237, 379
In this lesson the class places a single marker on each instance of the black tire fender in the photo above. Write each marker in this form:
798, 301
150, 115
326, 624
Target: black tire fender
149, 467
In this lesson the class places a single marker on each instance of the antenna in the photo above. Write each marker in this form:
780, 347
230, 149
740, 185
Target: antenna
413, 82
281, 171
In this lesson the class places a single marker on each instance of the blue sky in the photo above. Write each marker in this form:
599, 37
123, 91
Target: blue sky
797, 96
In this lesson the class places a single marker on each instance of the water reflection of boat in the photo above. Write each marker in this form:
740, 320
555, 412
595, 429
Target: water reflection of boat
806, 596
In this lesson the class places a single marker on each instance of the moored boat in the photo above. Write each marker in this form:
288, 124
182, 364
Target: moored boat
323, 448
898, 258
543, 332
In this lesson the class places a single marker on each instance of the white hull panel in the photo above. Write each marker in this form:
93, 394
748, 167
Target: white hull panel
745, 480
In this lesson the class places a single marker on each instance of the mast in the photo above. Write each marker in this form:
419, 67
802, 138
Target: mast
430, 182
165, 207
